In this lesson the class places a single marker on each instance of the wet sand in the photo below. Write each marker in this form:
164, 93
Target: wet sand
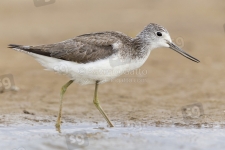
155, 96
87, 138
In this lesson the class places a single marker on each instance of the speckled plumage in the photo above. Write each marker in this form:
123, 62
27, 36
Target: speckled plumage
84, 48
94, 46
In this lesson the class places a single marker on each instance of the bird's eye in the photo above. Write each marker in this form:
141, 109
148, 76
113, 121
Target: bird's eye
159, 33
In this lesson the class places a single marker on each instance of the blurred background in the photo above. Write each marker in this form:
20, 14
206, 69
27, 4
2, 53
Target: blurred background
171, 82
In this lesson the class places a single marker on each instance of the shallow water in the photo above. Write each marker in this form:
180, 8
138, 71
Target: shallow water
87, 137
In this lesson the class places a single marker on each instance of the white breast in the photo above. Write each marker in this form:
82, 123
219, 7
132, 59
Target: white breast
101, 70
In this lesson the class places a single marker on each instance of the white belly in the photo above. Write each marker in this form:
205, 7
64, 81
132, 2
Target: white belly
101, 70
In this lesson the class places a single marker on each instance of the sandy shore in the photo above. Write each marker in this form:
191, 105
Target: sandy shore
170, 85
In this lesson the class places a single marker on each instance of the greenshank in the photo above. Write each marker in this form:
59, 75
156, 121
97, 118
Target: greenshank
96, 58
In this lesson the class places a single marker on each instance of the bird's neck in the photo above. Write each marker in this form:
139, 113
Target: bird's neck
141, 46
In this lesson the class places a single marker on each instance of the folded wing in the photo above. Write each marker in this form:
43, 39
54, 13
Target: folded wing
82, 49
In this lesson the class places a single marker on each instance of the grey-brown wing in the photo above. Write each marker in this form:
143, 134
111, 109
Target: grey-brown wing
82, 49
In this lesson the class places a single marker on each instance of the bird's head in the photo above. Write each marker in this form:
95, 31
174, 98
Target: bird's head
157, 36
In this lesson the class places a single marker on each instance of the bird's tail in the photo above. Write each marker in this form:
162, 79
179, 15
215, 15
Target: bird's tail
29, 49
21, 47
39, 55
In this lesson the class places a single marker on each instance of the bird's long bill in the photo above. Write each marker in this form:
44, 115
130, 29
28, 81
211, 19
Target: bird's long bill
179, 50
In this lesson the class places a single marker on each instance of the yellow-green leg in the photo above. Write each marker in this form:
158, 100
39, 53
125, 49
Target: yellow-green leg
97, 104
63, 90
